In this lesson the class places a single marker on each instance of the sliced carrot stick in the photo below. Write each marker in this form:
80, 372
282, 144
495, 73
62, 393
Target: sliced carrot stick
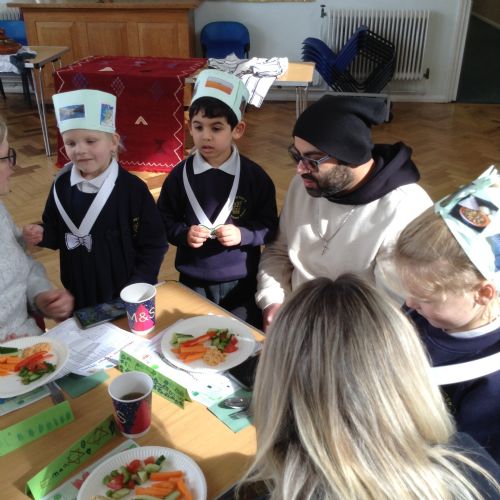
193, 349
165, 484
165, 475
10, 359
192, 357
152, 491
181, 486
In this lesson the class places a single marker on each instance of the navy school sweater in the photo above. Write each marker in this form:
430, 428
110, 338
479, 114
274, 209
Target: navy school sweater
254, 212
128, 239
475, 403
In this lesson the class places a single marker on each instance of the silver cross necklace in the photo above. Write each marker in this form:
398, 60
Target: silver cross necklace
326, 241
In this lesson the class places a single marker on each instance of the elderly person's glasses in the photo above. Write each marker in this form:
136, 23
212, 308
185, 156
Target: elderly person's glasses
311, 163
11, 156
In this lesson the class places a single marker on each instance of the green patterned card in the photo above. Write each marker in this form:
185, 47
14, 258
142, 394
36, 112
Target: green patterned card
34, 427
164, 386
78, 453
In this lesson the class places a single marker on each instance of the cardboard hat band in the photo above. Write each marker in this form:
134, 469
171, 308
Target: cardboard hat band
85, 109
222, 86
473, 216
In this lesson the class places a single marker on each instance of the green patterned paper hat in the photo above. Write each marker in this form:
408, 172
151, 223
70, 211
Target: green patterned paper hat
473, 216
222, 86
85, 109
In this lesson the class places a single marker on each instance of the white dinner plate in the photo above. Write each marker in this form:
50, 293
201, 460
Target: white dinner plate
11, 385
174, 460
197, 326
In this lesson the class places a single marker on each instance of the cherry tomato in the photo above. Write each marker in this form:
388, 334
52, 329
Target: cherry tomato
116, 483
134, 466
149, 460
230, 348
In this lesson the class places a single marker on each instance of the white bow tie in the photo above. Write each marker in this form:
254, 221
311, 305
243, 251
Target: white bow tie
73, 241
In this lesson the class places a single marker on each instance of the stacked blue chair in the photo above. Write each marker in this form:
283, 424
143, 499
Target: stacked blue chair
378, 53
221, 38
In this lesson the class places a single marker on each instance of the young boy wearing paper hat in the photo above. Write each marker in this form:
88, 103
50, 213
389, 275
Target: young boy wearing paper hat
448, 262
101, 218
218, 206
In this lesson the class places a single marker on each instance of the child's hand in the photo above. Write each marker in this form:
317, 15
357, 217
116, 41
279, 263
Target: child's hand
56, 304
228, 235
197, 235
32, 234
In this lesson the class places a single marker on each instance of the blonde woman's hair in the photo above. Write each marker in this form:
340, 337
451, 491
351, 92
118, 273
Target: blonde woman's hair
427, 254
3, 130
344, 407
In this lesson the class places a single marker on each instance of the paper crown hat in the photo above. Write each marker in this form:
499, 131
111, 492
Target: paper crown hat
222, 86
473, 216
85, 109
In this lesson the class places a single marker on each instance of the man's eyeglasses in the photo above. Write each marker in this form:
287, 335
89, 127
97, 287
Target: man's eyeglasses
11, 156
311, 163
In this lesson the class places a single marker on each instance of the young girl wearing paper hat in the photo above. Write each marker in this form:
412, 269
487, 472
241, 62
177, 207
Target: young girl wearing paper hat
448, 263
218, 206
101, 218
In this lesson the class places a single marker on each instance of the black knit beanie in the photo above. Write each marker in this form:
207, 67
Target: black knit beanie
340, 126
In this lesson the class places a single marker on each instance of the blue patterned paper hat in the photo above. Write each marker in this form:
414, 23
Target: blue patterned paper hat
222, 86
85, 109
473, 216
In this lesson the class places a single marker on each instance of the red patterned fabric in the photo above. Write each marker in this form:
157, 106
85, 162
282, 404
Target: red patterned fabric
150, 104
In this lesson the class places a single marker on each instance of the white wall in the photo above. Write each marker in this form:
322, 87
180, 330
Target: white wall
278, 29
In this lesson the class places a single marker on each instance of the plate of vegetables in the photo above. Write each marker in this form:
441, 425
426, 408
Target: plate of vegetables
207, 343
146, 473
29, 362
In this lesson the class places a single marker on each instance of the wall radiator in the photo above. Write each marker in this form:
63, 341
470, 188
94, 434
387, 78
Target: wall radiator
406, 29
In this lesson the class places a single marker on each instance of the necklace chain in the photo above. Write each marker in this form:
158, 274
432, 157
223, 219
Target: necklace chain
339, 227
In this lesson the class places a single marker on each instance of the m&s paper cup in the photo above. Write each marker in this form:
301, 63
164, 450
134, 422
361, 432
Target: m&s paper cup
139, 301
131, 394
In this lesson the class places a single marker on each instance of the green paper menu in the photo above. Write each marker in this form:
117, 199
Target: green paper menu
34, 427
164, 386
78, 453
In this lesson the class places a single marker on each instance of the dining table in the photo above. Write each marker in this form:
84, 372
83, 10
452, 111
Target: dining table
223, 455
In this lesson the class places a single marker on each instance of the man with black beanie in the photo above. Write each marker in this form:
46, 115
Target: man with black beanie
345, 207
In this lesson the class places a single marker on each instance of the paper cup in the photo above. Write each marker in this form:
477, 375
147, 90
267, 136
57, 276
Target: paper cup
139, 301
131, 394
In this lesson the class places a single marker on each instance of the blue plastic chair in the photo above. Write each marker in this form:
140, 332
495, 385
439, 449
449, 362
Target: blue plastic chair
15, 30
221, 38
379, 54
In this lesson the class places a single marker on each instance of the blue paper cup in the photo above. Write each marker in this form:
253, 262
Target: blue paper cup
139, 300
131, 394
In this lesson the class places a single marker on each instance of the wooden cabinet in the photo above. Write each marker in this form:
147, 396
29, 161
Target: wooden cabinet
116, 28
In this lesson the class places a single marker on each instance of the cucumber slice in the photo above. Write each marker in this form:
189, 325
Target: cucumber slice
142, 476
11, 351
120, 493
172, 496
152, 468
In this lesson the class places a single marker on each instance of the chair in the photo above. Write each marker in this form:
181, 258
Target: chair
221, 38
374, 54
16, 30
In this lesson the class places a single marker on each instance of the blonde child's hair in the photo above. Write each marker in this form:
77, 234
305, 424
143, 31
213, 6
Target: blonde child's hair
344, 406
428, 255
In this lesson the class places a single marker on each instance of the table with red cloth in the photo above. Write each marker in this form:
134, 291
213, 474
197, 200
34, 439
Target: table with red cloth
150, 104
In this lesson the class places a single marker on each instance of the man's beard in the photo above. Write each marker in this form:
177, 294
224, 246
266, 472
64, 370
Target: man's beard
330, 183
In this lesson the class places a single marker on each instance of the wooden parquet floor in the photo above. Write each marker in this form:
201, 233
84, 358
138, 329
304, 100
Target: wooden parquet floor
452, 143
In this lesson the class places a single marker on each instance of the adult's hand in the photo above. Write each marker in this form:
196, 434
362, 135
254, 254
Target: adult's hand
55, 304
197, 235
268, 315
